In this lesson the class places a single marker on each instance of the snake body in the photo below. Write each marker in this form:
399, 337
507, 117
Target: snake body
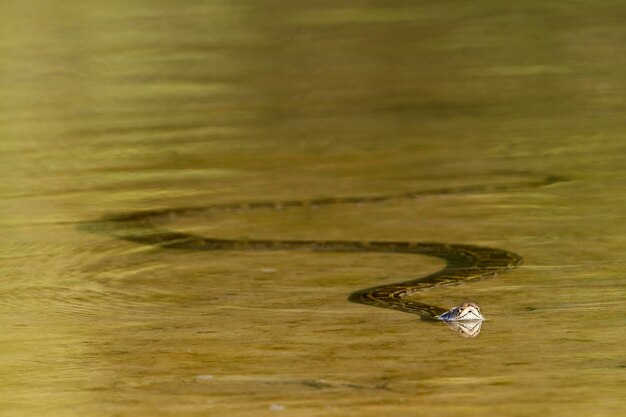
464, 263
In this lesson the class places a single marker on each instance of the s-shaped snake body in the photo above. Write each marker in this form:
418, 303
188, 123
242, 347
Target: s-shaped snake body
464, 263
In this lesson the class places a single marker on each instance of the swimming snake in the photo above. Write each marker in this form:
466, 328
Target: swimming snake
464, 263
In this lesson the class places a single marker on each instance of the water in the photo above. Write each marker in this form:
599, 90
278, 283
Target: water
132, 106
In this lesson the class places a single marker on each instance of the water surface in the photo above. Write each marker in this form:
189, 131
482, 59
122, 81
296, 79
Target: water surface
135, 106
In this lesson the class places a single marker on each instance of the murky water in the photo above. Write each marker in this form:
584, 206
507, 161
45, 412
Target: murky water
121, 106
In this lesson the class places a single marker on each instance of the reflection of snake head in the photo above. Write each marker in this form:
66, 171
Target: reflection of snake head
467, 328
464, 312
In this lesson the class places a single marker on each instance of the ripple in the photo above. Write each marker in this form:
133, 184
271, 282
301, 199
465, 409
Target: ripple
84, 302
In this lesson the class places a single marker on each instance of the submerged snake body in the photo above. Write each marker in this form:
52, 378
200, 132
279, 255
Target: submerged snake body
464, 263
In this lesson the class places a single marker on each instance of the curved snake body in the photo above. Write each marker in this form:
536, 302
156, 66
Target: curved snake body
464, 263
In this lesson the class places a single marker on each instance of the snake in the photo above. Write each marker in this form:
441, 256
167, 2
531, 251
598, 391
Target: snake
463, 262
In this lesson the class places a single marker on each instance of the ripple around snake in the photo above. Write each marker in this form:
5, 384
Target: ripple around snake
63, 301
463, 262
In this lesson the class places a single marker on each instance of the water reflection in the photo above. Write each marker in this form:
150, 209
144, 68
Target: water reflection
466, 328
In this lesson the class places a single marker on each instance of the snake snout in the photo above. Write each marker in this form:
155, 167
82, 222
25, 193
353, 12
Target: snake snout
465, 312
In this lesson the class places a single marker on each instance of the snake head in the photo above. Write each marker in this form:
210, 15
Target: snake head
464, 312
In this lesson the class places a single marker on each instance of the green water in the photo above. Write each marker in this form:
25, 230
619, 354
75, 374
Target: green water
121, 106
